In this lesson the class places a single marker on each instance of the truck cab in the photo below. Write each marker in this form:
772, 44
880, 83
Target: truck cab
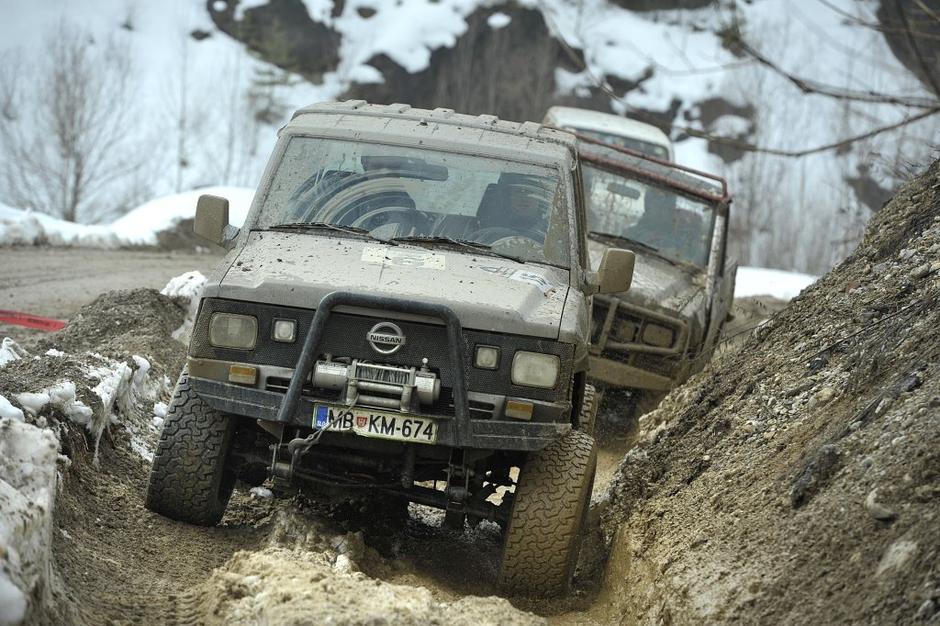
405, 313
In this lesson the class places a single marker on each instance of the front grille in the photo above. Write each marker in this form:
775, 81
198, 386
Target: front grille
346, 333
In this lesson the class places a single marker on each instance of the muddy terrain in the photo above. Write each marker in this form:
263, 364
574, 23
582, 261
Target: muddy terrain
795, 480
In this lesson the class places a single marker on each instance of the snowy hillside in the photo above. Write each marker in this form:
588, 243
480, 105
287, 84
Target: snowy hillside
202, 106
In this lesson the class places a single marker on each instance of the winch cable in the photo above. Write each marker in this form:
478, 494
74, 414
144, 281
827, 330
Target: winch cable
301, 445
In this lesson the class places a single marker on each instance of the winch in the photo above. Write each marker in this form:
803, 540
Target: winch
377, 384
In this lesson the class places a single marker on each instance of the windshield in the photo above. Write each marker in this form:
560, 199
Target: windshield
674, 225
390, 192
637, 145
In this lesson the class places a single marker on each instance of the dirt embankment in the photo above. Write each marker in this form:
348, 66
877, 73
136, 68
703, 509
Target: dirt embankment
798, 479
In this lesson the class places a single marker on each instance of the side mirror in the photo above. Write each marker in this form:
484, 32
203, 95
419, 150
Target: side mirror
615, 272
211, 221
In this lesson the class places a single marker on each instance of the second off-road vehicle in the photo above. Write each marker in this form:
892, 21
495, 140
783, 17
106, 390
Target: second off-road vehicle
665, 328
404, 313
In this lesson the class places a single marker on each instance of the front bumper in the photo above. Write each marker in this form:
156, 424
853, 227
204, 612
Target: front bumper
486, 434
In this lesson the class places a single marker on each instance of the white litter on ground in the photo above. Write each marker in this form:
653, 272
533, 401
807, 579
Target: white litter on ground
762, 281
27, 494
188, 286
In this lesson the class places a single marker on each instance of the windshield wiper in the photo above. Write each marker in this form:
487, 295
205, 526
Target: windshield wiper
349, 230
464, 243
635, 242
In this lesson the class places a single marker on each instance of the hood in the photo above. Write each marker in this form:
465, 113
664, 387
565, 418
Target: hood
657, 283
487, 293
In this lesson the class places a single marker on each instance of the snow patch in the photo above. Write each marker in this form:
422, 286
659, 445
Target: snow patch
188, 286
8, 411
60, 396
498, 20
139, 227
261, 492
28, 457
122, 389
762, 281
11, 351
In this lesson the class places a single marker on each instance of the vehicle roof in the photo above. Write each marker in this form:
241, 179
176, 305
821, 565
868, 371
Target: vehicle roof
702, 184
436, 129
586, 119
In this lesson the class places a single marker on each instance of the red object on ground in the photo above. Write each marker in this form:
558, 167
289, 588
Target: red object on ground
31, 321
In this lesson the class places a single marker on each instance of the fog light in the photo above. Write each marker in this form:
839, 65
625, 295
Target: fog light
284, 331
487, 357
519, 410
242, 374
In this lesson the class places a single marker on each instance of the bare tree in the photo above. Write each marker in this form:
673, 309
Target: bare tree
66, 132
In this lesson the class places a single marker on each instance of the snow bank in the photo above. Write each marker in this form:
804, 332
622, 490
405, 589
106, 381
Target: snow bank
188, 286
762, 281
139, 227
27, 493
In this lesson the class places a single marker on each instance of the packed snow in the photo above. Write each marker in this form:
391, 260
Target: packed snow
28, 456
7, 410
61, 396
10, 351
762, 281
139, 227
189, 287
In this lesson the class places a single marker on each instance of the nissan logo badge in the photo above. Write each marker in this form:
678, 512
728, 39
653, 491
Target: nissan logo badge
386, 338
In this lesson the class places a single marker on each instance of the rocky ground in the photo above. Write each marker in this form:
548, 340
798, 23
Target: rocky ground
795, 480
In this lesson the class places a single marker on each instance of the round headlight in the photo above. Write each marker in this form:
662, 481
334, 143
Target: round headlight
534, 369
228, 330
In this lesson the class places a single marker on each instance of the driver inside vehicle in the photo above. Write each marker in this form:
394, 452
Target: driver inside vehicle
512, 207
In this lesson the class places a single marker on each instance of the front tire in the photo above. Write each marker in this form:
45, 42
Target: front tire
543, 537
189, 481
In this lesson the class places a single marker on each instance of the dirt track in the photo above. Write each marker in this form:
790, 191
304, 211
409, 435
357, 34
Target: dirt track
118, 562
56, 282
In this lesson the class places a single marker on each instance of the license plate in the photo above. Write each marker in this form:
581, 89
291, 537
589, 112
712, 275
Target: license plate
369, 423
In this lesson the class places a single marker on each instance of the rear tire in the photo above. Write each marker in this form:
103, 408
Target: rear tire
188, 480
543, 537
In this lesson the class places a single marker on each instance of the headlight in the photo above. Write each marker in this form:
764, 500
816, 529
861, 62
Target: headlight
487, 357
534, 369
284, 331
227, 330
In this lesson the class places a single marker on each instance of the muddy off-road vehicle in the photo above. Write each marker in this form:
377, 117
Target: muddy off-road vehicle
404, 313
665, 328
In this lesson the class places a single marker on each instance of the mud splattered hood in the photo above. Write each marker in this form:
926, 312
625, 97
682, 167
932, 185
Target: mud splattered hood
658, 284
487, 293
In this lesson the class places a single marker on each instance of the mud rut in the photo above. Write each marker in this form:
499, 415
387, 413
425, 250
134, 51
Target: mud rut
116, 562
